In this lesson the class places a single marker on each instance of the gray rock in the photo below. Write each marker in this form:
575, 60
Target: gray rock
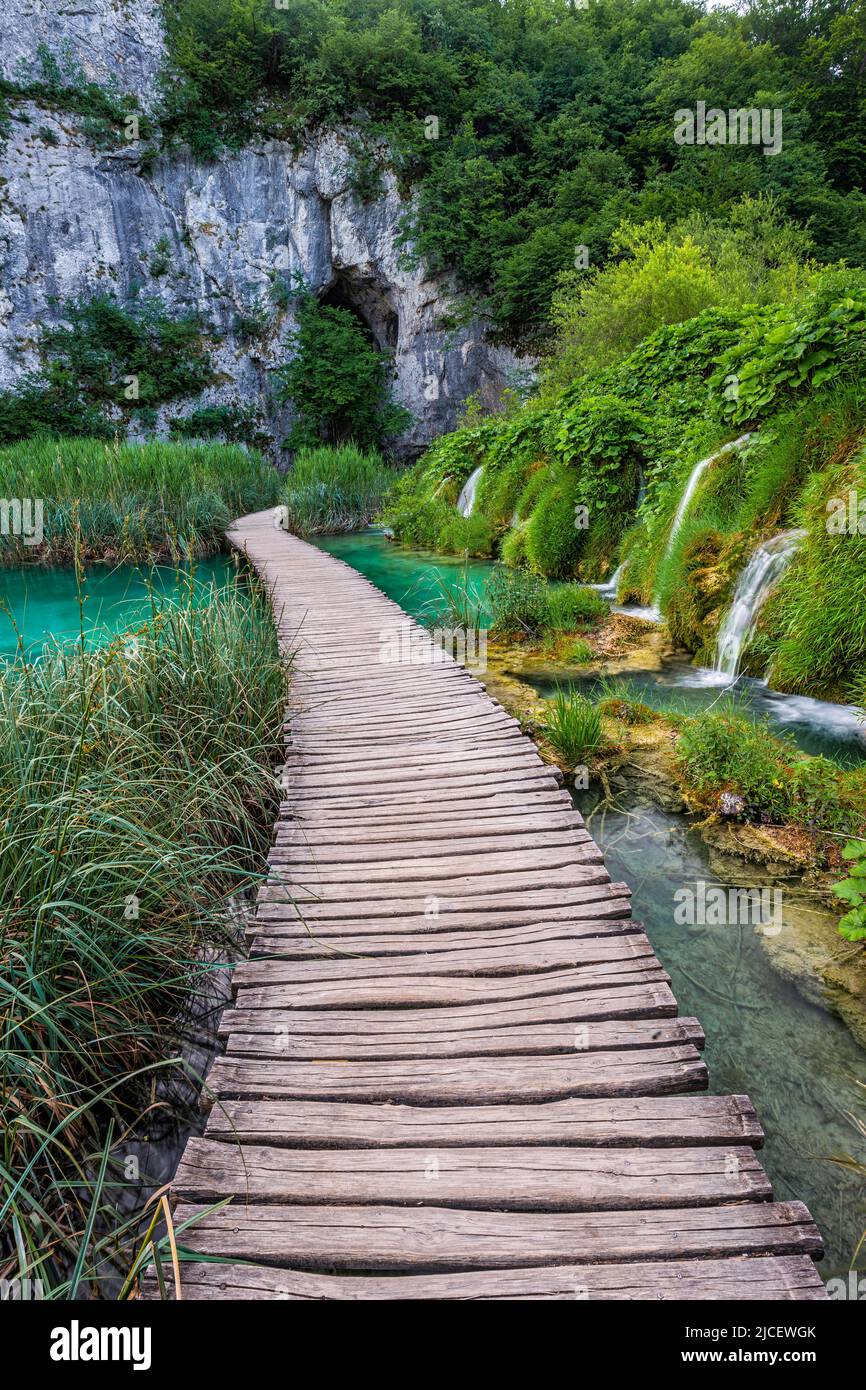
75, 221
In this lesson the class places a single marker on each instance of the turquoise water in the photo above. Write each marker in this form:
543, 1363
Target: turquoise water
412, 578
799, 1064
43, 603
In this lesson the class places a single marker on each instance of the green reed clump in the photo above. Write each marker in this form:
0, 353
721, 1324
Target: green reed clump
131, 502
572, 725
136, 797
335, 489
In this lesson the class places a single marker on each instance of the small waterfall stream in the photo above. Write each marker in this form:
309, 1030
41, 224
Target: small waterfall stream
754, 586
691, 488
466, 500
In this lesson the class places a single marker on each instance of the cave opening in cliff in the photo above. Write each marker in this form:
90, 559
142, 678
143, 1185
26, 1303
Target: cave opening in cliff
370, 305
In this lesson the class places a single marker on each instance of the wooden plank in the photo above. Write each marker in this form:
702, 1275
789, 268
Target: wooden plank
299, 944
491, 1080
417, 991
756, 1278
520, 1179
430, 1238
653, 1000
541, 1039
611, 1121
498, 960
286, 919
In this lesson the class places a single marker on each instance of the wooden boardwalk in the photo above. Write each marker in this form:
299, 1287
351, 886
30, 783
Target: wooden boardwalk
454, 1066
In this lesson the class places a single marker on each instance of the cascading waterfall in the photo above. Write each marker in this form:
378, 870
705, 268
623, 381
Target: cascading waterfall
691, 487
466, 500
610, 586
754, 586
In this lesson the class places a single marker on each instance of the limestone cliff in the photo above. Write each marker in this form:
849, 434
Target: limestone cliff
76, 220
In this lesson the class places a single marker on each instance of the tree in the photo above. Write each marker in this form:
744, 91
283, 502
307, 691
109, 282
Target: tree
338, 381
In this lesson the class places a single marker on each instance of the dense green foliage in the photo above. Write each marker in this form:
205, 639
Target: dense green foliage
555, 120
137, 796
587, 475
104, 364
337, 381
236, 424
334, 489
723, 751
131, 502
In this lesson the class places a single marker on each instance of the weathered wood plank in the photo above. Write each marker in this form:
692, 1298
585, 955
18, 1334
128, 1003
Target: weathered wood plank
654, 1000
430, 1238
417, 991
610, 1121
491, 1080
521, 1179
541, 1040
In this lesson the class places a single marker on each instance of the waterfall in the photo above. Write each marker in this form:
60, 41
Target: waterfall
466, 500
761, 575
610, 586
691, 487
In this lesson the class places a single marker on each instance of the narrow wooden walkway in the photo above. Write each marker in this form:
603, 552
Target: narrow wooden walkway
454, 1066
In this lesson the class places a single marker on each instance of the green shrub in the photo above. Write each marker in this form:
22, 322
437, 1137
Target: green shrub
553, 538
572, 724
337, 381
721, 750
239, 424
335, 489
518, 601
569, 606
465, 535
102, 365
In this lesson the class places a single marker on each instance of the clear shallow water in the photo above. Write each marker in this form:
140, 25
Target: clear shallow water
44, 602
798, 1063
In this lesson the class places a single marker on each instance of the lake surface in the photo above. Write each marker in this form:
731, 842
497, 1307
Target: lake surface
44, 602
800, 1065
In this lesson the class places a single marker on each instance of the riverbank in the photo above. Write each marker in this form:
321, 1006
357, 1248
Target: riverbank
638, 760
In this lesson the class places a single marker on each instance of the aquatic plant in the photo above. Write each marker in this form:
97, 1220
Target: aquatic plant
130, 502
334, 489
137, 796
572, 724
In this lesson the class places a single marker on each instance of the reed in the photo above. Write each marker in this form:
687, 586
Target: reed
572, 725
334, 490
131, 502
137, 795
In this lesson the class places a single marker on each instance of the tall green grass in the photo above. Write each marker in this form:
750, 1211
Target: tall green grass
132, 502
136, 797
572, 725
335, 489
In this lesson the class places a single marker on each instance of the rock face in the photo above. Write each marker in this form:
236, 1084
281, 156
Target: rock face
110, 41
75, 221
